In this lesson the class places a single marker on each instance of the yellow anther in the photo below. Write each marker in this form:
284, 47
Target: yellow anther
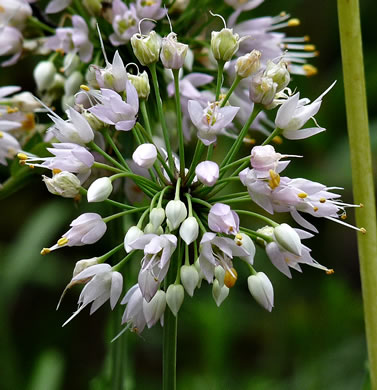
330, 272
277, 140
309, 47
12, 110
293, 22
22, 162
22, 156
231, 228
31, 166
310, 70
363, 230
315, 209
77, 198
302, 195
63, 241
238, 243
55, 171
1, 134
306, 38
45, 251
2, 9
29, 122
248, 140
230, 277
282, 14
343, 216
274, 179
84, 87
322, 200
239, 236
60, 51
361, 205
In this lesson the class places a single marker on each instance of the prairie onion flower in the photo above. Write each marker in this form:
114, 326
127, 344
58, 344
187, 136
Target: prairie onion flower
180, 222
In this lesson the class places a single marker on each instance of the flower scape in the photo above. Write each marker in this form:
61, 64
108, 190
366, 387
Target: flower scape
173, 91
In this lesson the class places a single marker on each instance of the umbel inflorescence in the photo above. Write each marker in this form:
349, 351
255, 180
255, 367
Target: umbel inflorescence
186, 228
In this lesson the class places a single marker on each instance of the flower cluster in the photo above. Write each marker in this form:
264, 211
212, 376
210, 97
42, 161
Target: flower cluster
185, 229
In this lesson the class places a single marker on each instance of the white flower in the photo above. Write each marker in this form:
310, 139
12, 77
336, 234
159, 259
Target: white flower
9, 147
133, 233
176, 213
207, 172
295, 112
211, 120
189, 230
134, 313
145, 155
174, 297
222, 219
157, 216
64, 184
156, 260
288, 238
155, 308
10, 44
244, 241
99, 190
248, 64
104, 284
44, 74
88, 228
261, 289
15, 12
219, 293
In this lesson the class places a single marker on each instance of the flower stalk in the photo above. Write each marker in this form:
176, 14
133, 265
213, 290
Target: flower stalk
362, 172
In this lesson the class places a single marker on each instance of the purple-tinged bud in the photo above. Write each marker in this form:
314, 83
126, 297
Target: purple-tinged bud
207, 173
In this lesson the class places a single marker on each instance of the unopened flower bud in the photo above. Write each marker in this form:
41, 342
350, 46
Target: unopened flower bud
189, 230
72, 84
248, 64
288, 239
278, 73
93, 121
207, 173
222, 219
145, 155
155, 308
141, 84
149, 229
157, 216
44, 74
173, 53
174, 297
262, 89
219, 293
261, 289
146, 47
99, 190
176, 213
224, 44
83, 264
94, 7
132, 234
220, 274
64, 183
200, 272
189, 278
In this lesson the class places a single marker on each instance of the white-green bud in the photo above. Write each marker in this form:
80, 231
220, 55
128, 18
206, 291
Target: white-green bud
70, 63
141, 84
155, 308
72, 84
224, 44
99, 190
173, 53
220, 275
200, 272
248, 64
278, 73
83, 264
189, 230
176, 213
44, 74
261, 289
94, 7
174, 297
262, 89
157, 216
189, 278
132, 234
146, 47
288, 239
93, 121
64, 184
149, 229
219, 293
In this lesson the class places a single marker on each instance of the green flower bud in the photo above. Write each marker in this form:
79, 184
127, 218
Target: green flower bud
146, 47
141, 84
224, 44
248, 64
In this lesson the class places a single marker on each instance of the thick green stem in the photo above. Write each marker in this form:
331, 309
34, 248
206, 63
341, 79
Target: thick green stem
179, 123
152, 68
169, 358
362, 172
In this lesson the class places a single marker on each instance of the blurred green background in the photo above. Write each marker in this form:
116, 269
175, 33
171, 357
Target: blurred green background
314, 337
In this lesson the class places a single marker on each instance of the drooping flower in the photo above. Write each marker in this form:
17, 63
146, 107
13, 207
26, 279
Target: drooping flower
104, 284
173, 53
222, 219
207, 172
64, 184
87, 229
261, 289
145, 155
